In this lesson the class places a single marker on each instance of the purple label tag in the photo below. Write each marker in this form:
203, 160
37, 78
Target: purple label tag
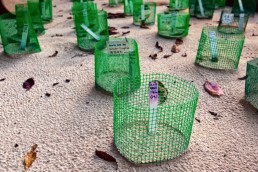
153, 105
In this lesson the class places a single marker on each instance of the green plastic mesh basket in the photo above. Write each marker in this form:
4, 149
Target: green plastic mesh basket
113, 3
18, 35
244, 6
204, 9
115, 59
46, 10
173, 25
144, 13
128, 7
90, 24
220, 3
251, 82
148, 133
34, 8
178, 4
218, 50
229, 23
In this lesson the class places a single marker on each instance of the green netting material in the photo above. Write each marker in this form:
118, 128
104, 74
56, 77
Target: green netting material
251, 82
14, 30
46, 10
134, 136
204, 9
173, 25
221, 52
128, 7
220, 3
96, 21
113, 3
116, 59
178, 4
248, 7
34, 9
229, 23
144, 13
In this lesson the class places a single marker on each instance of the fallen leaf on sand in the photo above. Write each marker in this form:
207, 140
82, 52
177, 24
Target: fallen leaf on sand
179, 41
2, 79
53, 55
159, 47
198, 120
213, 113
167, 56
28, 84
116, 15
30, 157
184, 55
125, 27
69, 17
105, 156
124, 33
153, 56
243, 78
213, 89
175, 49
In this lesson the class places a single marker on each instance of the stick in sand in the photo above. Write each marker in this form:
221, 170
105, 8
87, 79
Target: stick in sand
201, 8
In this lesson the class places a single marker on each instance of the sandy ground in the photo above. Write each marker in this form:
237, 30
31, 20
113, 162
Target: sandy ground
76, 119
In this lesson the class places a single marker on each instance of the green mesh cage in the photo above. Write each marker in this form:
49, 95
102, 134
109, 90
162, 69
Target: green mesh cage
204, 9
90, 24
115, 59
220, 3
18, 35
173, 24
251, 82
144, 13
245, 6
128, 7
46, 10
178, 4
34, 9
113, 3
229, 23
144, 134
191, 7
218, 50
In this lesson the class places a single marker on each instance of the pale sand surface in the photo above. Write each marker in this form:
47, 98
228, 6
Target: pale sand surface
76, 119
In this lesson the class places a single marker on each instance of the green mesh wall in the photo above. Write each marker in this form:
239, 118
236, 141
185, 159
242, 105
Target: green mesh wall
251, 83
230, 23
134, 136
14, 30
111, 65
173, 25
96, 21
178, 4
115, 2
46, 10
149, 13
220, 3
221, 53
248, 7
34, 9
128, 7
204, 9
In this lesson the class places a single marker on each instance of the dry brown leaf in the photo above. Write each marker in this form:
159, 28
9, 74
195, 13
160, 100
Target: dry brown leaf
153, 56
30, 157
179, 41
175, 49
213, 89
184, 55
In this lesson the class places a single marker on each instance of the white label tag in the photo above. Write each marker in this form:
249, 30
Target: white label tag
201, 8
153, 105
142, 12
90, 32
131, 6
24, 36
118, 47
43, 8
174, 16
241, 5
213, 44
241, 22
227, 18
85, 16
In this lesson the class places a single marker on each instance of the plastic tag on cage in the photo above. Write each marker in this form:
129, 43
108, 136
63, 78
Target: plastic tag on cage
213, 44
241, 22
132, 63
118, 47
142, 12
131, 5
24, 36
43, 8
153, 105
90, 32
176, 4
85, 16
174, 16
241, 7
227, 18
201, 7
